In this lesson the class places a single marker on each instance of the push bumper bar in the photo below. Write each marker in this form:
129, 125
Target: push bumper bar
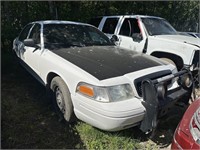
157, 100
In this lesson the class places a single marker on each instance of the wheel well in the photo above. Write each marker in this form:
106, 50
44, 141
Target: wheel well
175, 58
50, 76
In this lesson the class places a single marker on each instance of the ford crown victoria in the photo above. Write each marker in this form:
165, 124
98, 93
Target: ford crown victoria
88, 77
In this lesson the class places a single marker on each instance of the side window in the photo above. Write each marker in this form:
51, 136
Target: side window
24, 33
129, 26
35, 33
95, 21
110, 25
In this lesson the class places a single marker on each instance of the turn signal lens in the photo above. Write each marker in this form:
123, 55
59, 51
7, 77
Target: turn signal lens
86, 90
105, 94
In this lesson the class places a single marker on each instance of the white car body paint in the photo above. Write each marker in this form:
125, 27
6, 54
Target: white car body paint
111, 116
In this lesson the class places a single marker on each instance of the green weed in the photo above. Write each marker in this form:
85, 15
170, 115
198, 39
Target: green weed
97, 139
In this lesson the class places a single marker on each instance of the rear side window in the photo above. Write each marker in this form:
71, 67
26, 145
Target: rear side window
129, 26
110, 25
24, 33
95, 21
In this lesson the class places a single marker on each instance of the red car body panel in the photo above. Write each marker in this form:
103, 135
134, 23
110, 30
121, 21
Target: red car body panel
183, 138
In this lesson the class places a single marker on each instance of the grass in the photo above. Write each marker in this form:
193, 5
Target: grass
99, 140
29, 121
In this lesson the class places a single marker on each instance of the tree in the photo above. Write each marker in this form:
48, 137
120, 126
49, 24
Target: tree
183, 15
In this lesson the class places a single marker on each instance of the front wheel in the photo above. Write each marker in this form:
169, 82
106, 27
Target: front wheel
62, 99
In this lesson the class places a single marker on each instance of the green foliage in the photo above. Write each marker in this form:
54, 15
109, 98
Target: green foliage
183, 15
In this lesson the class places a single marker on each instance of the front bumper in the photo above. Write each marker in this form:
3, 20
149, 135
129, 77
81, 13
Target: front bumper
109, 116
178, 94
120, 115
157, 102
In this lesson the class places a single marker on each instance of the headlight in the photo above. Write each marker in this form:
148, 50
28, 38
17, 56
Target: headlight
106, 94
120, 92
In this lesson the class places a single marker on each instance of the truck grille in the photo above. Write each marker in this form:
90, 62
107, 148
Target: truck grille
196, 69
138, 81
196, 59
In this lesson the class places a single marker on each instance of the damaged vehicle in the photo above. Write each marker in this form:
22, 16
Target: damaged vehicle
91, 79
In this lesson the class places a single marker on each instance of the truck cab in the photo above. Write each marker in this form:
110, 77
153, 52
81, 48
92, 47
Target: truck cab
152, 35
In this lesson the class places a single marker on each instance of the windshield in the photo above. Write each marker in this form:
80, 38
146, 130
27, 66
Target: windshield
68, 35
156, 26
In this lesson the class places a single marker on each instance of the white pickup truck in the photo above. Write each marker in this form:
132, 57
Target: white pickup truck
151, 35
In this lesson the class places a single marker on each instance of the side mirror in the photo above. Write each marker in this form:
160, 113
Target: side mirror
115, 39
29, 43
137, 37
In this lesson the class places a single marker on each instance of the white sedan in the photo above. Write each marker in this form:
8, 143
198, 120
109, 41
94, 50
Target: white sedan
91, 79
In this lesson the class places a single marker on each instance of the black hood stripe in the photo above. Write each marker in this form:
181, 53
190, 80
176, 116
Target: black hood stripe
105, 62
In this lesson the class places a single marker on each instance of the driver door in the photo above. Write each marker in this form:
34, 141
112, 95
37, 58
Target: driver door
129, 27
32, 55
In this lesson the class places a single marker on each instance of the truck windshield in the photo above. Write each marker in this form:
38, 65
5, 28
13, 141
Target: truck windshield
70, 35
156, 26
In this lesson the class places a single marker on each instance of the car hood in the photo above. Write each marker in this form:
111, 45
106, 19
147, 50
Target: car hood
180, 39
105, 62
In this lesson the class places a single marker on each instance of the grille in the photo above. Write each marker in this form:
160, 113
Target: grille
196, 69
196, 58
138, 81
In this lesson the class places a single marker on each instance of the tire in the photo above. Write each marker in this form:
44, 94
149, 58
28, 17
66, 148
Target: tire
62, 100
169, 61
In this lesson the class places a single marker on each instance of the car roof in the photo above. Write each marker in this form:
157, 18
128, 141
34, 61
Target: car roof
136, 16
59, 22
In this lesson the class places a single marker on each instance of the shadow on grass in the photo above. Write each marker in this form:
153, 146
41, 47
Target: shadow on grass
28, 120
